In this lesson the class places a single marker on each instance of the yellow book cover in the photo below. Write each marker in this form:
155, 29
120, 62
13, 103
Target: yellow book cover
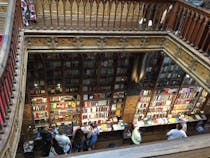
117, 113
73, 104
118, 105
104, 127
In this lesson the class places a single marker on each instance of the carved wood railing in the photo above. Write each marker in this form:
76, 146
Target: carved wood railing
12, 82
110, 15
190, 23
37, 41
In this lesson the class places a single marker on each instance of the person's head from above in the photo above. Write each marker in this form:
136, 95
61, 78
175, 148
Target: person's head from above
46, 129
61, 131
179, 126
127, 127
92, 126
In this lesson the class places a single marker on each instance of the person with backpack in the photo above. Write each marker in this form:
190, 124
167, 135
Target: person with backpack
176, 133
46, 141
126, 135
79, 140
55, 149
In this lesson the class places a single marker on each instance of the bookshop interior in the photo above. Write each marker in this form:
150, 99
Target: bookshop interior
111, 90
111, 64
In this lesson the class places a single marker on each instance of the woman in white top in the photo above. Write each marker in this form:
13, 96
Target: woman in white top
136, 135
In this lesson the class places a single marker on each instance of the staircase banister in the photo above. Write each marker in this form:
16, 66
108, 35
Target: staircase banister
197, 9
7, 35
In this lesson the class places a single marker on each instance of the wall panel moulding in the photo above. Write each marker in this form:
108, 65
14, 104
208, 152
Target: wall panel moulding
183, 54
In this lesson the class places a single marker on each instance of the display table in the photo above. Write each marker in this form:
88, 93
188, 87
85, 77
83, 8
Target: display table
168, 121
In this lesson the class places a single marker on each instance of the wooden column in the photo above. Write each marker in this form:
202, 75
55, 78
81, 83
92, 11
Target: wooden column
71, 12
109, 16
64, 13
57, 12
43, 13
91, 9
192, 28
188, 24
130, 108
97, 10
50, 9
121, 13
115, 13
78, 19
178, 19
201, 33
127, 15
195, 32
183, 22
102, 21
174, 16
156, 19
132, 16
206, 44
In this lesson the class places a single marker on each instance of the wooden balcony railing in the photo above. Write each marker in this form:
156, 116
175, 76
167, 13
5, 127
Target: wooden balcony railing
186, 21
189, 22
9, 76
192, 24
8, 60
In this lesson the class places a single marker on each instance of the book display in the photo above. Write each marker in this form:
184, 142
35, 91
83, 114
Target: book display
40, 111
185, 101
117, 104
95, 109
64, 110
142, 105
160, 105
200, 102
171, 106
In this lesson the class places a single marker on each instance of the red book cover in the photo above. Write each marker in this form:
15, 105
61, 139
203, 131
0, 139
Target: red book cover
1, 39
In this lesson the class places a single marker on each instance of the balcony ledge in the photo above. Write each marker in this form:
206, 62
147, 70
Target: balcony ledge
150, 149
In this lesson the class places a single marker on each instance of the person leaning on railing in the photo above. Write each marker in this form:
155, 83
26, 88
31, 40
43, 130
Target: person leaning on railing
176, 133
